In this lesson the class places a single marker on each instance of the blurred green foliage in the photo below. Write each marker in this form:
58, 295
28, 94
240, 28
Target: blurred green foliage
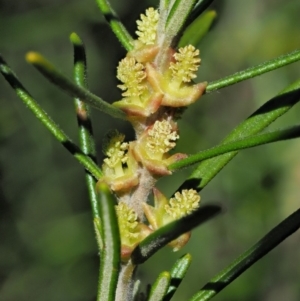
47, 245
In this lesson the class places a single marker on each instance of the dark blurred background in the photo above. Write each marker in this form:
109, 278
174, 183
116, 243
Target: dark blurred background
47, 246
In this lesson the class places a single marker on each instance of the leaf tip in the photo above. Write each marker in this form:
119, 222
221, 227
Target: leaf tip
102, 187
75, 39
33, 57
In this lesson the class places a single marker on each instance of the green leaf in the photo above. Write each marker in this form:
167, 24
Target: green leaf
164, 4
248, 258
160, 287
110, 253
163, 14
115, 24
178, 272
198, 9
254, 124
86, 140
254, 71
166, 234
198, 29
136, 290
44, 118
269, 137
177, 15
60, 80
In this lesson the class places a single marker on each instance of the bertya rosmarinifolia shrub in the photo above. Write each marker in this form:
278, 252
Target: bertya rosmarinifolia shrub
157, 82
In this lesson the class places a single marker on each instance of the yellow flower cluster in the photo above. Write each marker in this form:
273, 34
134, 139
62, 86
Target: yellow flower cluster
116, 153
132, 74
147, 87
166, 211
161, 138
147, 26
132, 232
151, 96
183, 203
119, 167
186, 64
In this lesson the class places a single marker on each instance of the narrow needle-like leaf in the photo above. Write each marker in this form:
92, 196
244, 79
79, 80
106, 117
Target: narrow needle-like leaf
254, 124
163, 14
251, 72
170, 25
178, 272
41, 115
199, 8
110, 253
115, 24
198, 29
86, 140
177, 15
248, 258
60, 80
160, 287
166, 234
260, 139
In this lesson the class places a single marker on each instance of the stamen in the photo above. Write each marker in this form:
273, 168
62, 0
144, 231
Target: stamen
183, 203
186, 65
162, 137
116, 151
127, 220
147, 26
132, 74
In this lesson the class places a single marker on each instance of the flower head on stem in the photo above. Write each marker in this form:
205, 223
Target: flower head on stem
137, 101
154, 144
161, 138
166, 211
175, 83
132, 74
145, 47
132, 232
183, 203
147, 26
186, 65
116, 152
119, 167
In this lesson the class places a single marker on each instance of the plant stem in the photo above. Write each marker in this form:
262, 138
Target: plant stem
125, 282
86, 140
273, 64
115, 24
43, 117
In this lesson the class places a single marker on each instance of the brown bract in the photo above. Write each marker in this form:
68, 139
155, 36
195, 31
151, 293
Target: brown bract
137, 108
